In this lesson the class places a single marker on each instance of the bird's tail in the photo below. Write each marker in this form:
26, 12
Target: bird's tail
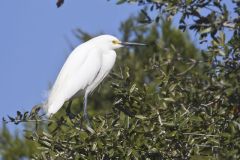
45, 109
45, 104
51, 109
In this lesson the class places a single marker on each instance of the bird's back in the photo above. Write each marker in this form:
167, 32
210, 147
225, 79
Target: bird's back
81, 65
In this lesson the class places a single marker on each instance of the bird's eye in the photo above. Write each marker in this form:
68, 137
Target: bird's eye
115, 42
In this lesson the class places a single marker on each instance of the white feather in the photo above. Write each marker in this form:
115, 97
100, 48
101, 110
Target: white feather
84, 69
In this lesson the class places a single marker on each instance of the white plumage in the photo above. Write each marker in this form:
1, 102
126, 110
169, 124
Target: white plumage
83, 71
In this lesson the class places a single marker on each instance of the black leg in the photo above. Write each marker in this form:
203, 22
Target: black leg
85, 114
68, 110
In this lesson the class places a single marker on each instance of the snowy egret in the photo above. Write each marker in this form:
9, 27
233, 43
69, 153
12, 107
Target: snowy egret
83, 71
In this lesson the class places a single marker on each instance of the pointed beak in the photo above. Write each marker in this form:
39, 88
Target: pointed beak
132, 44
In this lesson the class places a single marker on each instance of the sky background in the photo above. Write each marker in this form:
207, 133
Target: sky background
33, 44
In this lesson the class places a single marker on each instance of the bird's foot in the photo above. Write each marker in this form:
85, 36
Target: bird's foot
89, 124
86, 118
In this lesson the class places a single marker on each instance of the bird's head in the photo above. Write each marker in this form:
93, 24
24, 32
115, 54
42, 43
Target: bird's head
111, 42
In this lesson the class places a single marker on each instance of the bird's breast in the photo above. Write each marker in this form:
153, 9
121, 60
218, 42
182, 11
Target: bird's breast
108, 61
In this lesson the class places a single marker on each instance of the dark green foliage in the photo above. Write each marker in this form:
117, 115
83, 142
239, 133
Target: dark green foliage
15, 147
168, 100
209, 19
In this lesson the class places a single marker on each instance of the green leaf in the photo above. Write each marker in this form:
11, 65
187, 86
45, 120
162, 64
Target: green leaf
121, 1
141, 117
207, 30
169, 99
133, 88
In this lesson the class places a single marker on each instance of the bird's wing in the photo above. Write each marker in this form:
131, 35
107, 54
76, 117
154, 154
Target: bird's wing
108, 60
79, 70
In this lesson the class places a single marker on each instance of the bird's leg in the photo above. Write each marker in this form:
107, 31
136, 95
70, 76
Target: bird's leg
85, 114
68, 110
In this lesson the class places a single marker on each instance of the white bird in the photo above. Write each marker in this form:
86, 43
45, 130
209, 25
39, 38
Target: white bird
83, 71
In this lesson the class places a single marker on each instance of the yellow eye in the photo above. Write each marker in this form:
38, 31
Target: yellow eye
115, 42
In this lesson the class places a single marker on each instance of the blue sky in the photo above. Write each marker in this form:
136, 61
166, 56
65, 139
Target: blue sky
33, 43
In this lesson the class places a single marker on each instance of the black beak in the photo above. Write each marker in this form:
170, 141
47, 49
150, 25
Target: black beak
132, 44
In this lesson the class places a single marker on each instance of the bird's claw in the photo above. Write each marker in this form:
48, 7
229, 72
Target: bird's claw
85, 116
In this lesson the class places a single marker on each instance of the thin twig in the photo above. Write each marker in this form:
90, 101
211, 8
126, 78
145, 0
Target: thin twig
212, 102
200, 134
18, 121
202, 145
187, 70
